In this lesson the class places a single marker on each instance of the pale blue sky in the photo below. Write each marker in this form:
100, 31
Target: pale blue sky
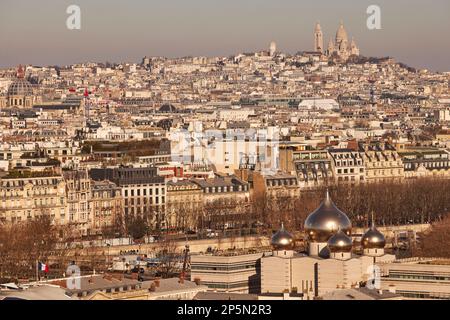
414, 32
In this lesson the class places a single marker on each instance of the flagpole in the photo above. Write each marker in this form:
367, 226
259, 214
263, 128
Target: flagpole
37, 271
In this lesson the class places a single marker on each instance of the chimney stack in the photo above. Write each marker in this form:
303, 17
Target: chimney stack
392, 289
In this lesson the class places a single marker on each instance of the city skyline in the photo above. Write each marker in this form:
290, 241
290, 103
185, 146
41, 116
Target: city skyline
34, 35
209, 150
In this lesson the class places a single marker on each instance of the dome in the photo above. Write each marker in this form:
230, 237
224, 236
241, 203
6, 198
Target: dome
318, 28
321, 224
341, 34
373, 239
282, 240
20, 87
340, 242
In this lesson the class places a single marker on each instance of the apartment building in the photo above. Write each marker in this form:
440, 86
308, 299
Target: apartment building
381, 162
26, 195
78, 192
106, 207
184, 204
312, 167
425, 162
143, 191
347, 165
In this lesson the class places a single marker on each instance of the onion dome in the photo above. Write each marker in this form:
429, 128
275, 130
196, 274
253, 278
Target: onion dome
326, 220
373, 239
282, 240
340, 242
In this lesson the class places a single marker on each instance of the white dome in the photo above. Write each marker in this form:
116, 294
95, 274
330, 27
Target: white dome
341, 34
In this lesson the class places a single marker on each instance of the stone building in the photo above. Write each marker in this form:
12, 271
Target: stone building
347, 165
78, 190
26, 195
184, 205
143, 191
106, 207
381, 162
312, 167
20, 93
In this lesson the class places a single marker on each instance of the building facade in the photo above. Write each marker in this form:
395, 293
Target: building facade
143, 191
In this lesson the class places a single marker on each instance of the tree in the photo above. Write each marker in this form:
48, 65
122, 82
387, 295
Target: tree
137, 228
434, 243
169, 259
23, 244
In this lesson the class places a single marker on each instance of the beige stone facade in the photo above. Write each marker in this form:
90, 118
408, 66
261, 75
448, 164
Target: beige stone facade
25, 196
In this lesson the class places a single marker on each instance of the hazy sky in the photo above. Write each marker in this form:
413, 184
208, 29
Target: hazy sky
34, 31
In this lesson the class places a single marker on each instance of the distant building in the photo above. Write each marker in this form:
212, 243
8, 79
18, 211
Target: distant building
318, 104
184, 205
78, 186
27, 195
106, 207
237, 272
381, 162
312, 167
425, 162
272, 186
20, 93
272, 48
342, 47
417, 278
143, 191
318, 39
348, 165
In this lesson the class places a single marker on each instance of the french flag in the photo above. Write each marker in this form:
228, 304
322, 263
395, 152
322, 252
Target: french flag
42, 267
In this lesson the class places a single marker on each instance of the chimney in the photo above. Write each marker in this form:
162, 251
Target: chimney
392, 289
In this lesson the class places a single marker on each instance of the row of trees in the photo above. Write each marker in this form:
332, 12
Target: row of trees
422, 200
23, 244
435, 243
392, 203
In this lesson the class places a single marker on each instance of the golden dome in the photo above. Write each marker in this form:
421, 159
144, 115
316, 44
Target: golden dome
326, 220
282, 240
373, 239
340, 242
